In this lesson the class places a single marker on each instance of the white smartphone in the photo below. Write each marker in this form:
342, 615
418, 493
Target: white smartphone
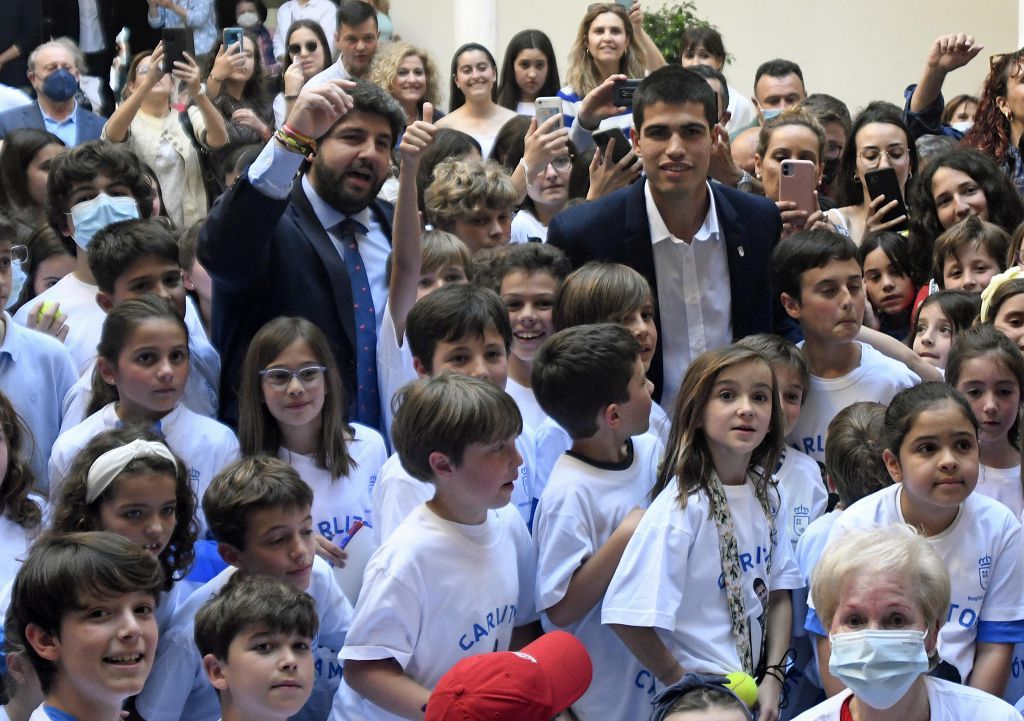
546, 107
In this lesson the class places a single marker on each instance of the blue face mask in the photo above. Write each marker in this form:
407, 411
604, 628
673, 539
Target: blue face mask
60, 85
769, 113
92, 216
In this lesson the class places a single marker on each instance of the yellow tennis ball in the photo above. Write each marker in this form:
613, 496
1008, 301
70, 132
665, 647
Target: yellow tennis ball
47, 304
744, 686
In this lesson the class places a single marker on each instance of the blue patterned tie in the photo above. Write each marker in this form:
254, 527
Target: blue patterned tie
367, 393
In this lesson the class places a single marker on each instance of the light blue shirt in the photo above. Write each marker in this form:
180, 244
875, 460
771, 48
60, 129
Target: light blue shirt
66, 130
199, 15
36, 371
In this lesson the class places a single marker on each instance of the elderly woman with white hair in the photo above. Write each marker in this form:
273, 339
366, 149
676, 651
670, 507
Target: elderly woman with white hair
883, 594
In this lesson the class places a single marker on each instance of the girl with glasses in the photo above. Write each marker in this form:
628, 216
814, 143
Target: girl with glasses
306, 54
293, 405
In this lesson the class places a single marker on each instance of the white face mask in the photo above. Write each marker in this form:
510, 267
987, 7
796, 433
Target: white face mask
879, 666
248, 20
92, 216
963, 126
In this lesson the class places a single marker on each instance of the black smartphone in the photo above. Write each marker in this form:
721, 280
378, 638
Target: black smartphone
622, 144
882, 181
177, 42
622, 92
233, 36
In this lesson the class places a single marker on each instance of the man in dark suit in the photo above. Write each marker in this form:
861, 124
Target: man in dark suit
276, 247
54, 71
703, 247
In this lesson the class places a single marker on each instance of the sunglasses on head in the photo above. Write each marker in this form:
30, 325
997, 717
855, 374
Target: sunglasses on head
310, 46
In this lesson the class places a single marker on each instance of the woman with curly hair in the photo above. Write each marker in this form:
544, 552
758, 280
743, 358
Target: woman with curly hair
410, 75
999, 121
610, 41
956, 184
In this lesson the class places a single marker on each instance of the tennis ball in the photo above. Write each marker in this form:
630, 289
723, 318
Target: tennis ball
744, 686
47, 304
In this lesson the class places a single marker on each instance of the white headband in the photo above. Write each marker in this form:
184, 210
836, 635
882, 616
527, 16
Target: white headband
109, 465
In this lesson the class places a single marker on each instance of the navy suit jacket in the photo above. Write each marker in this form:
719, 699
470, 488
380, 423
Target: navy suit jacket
615, 228
89, 124
269, 258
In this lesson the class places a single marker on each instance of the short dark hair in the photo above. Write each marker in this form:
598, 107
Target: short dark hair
453, 312
447, 413
354, 13
828, 109
115, 248
82, 164
580, 371
709, 73
804, 250
527, 258
248, 485
20, 148
778, 68
248, 602
674, 85
370, 98
62, 569
971, 231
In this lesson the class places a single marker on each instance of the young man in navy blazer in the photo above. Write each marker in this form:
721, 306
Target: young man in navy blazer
703, 247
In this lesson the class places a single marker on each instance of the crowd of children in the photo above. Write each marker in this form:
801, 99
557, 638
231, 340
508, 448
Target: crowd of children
449, 470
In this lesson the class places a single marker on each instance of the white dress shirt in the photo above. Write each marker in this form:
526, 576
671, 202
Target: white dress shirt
694, 293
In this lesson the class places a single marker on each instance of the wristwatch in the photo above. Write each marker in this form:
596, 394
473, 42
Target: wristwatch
745, 183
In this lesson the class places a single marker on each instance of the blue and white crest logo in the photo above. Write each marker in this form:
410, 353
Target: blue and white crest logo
984, 568
801, 518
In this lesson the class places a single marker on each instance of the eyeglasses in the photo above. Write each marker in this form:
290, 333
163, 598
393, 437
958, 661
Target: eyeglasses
562, 163
281, 377
311, 46
894, 154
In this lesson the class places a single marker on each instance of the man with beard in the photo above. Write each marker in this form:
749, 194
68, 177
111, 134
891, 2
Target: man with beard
314, 246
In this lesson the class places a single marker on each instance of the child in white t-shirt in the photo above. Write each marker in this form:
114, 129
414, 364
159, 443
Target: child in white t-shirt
591, 380
988, 369
527, 277
797, 472
854, 469
703, 585
931, 452
456, 578
820, 283
256, 639
90, 187
420, 262
292, 404
259, 512
141, 375
459, 329
601, 293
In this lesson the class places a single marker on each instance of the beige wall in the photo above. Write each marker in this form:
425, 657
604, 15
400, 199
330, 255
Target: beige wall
857, 50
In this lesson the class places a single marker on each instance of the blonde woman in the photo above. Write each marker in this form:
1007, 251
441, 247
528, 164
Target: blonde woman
410, 75
611, 42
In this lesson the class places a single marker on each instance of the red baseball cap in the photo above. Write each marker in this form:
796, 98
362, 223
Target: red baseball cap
533, 684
